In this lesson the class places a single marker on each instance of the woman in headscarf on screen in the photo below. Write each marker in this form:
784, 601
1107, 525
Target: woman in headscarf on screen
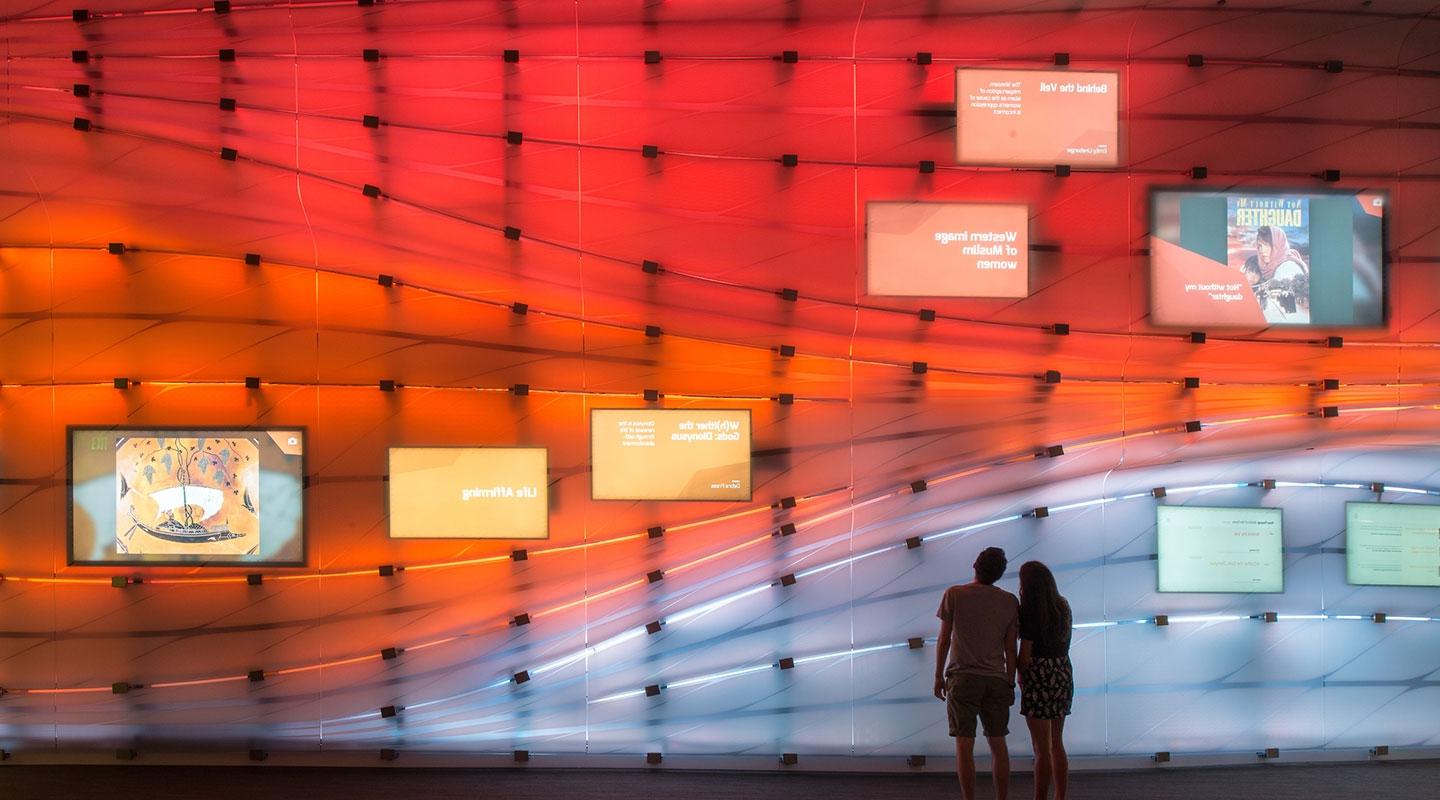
1274, 257
1279, 276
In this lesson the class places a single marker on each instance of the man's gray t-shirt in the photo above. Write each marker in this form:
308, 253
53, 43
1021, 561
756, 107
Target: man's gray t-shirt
979, 617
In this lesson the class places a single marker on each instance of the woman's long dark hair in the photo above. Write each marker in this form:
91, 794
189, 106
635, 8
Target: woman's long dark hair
1040, 601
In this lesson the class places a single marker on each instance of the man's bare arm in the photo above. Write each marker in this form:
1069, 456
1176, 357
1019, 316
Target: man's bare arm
942, 652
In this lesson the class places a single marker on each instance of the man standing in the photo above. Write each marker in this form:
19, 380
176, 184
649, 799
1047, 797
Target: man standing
978, 627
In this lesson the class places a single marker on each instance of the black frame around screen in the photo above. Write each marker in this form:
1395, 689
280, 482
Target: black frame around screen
130, 563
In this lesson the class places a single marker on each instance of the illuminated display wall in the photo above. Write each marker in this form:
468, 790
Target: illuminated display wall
407, 237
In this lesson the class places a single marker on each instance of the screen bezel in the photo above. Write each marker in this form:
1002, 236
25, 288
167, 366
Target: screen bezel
1274, 191
1277, 510
1120, 137
389, 519
750, 430
305, 483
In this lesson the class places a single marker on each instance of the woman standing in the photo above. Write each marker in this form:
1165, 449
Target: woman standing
1047, 684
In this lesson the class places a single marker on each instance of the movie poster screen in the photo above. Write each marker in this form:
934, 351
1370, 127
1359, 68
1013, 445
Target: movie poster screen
1267, 258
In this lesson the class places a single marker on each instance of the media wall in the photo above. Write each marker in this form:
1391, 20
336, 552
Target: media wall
447, 241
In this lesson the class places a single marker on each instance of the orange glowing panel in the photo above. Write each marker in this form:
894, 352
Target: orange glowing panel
469, 493
1023, 117
670, 454
947, 250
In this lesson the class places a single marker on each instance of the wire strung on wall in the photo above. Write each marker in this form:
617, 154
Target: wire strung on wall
784, 581
517, 234
519, 308
927, 167
788, 529
911, 488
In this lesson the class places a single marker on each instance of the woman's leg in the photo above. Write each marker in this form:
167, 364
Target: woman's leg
1040, 737
1059, 759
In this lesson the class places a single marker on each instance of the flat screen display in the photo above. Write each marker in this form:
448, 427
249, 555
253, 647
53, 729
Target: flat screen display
1392, 544
669, 454
469, 493
195, 496
1262, 258
1030, 118
917, 249
1225, 550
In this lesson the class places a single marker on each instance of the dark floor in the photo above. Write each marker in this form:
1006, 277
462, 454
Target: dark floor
1373, 781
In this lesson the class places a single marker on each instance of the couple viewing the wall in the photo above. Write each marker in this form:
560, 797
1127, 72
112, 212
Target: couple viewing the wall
987, 641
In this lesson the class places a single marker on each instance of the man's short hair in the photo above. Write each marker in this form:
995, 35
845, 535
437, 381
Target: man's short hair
990, 565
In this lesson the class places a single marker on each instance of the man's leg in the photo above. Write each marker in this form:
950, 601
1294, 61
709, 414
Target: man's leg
995, 705
965, 765
999, 766
1040, 741
962, 705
